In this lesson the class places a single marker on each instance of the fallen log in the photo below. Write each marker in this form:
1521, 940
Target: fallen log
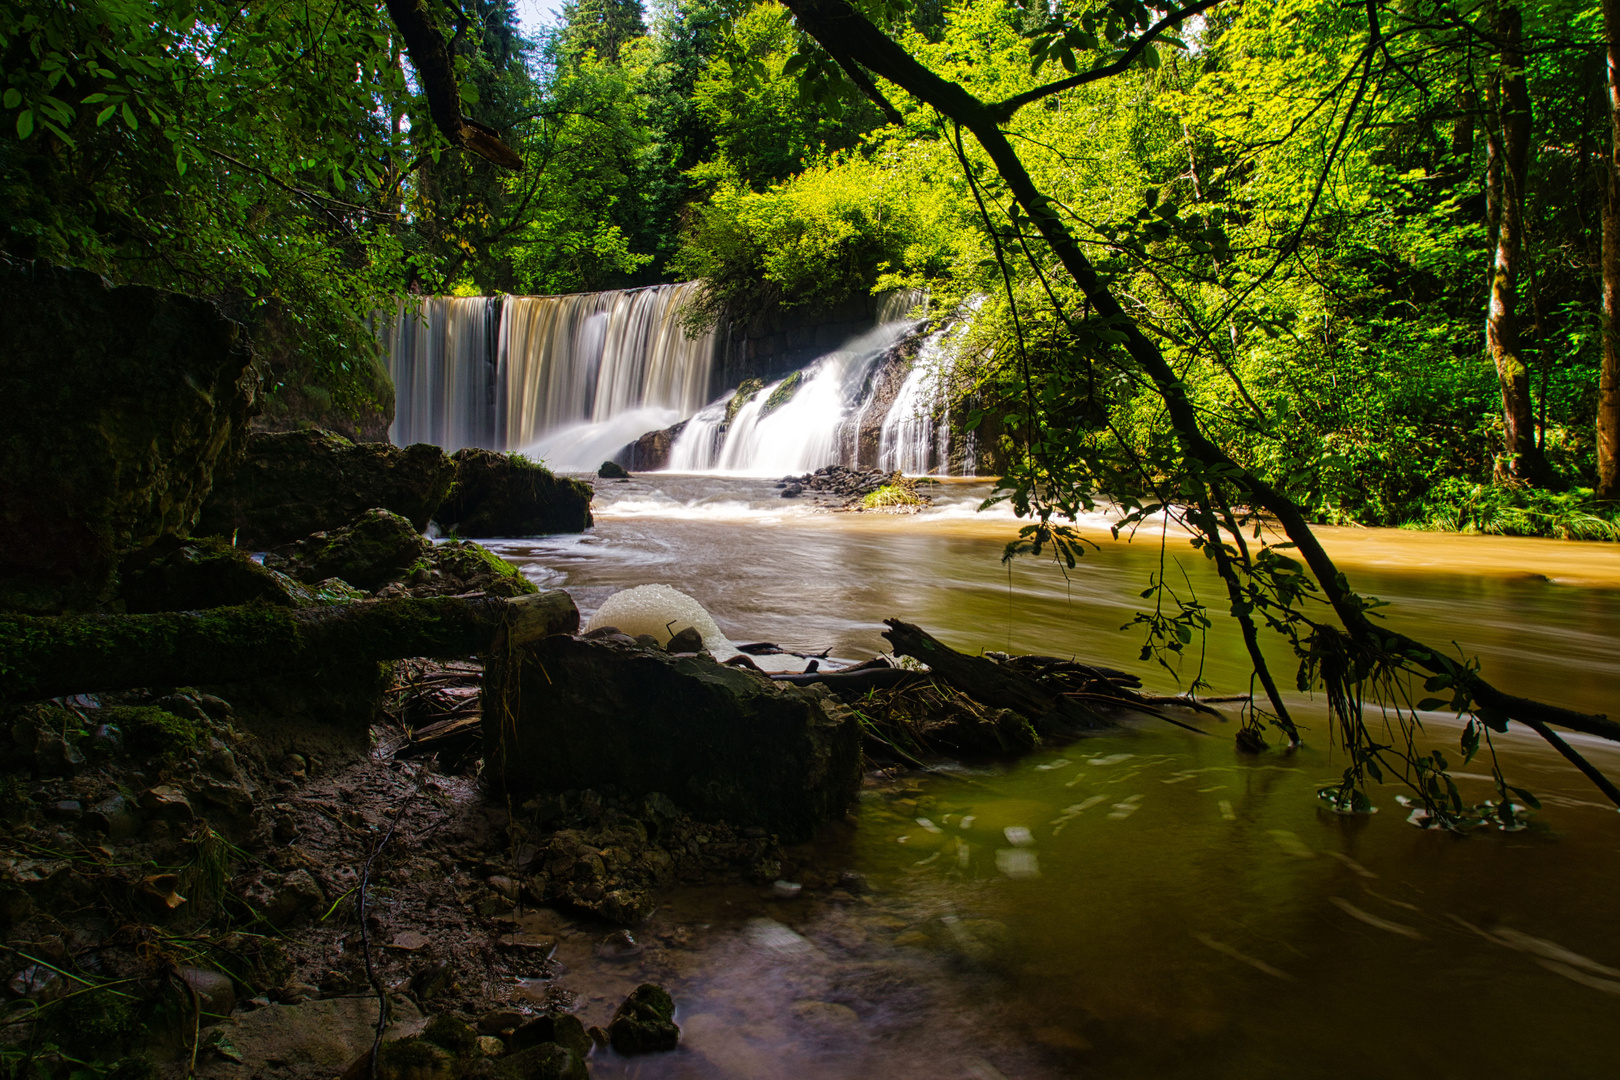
48, 656
990, 683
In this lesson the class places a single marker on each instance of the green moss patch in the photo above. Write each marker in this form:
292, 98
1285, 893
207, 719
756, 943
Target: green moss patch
150, 730
783, 393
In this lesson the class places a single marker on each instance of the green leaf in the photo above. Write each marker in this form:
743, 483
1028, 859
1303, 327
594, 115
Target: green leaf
25, 123
129, 116
13, 98
104, 114
1529, 800
1430, 703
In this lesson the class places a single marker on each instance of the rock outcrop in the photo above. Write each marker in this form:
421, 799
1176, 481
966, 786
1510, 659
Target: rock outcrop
375, 548
723, 743
499, 494
650, 453
123, 404
295, 483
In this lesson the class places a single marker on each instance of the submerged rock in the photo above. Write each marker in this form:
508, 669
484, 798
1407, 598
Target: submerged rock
645, 1023
723, 743
508, 495
123, 404
295, 483
612, 470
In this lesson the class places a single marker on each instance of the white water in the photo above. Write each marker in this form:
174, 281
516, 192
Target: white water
799, 436
513, 373
571, 380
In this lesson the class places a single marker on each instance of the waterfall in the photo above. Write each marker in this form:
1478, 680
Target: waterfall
443, 361
572, 380
802, 433
916, 435
566, 378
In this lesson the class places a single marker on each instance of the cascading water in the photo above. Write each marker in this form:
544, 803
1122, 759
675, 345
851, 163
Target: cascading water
768, 436
573, 379
916, 437
566, 378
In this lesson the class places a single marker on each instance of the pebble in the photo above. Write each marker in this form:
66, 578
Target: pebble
786, 890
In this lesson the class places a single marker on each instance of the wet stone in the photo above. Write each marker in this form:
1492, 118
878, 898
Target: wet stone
645, 1023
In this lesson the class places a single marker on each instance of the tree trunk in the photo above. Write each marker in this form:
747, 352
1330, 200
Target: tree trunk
43, 657
1608, 413
1507, 173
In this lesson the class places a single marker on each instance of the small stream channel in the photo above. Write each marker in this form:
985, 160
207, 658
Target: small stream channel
1143, 903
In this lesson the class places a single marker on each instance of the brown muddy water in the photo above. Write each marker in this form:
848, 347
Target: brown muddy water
1144, 903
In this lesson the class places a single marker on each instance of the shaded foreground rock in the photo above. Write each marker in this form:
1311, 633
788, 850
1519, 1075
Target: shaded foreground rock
122, 404
374, 548
295, 483
327, 1034
203, 572
508, 495
645, 1023
723, 743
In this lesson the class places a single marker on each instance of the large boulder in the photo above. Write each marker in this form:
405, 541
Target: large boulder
723, 743
375, 548
650, 453
295, 483
202, 572
123, 403
508, 495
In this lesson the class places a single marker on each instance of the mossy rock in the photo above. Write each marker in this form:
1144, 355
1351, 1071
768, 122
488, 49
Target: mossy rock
746, 392
567, 713
645, 1023
123, 405
509, 495
376, 547
783, 393
149, 730
296, 483
203, 572
452, 1033
415, 1058
473, 566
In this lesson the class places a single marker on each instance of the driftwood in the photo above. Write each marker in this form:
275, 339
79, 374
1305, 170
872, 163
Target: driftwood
42, 657
990, 683
854, 680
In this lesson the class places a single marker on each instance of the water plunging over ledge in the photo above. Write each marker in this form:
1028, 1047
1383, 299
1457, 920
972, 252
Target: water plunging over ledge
574, 379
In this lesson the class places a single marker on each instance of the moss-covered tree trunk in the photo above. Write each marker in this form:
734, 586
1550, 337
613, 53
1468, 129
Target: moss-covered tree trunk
42, 657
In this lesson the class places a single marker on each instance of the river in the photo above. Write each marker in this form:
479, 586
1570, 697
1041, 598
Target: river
1142, 903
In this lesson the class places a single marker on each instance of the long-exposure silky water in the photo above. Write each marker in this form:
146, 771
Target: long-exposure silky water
1146, 903
573, 380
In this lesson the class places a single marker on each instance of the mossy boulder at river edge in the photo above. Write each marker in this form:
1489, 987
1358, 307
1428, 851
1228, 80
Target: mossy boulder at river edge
122, 406
724, 743
508, 495
295, 483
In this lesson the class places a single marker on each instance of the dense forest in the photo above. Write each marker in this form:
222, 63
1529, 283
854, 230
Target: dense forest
1370, 241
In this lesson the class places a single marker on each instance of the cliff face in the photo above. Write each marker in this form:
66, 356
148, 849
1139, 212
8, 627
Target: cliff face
122, 405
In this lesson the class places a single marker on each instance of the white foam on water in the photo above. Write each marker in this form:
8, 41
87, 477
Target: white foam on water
662, 612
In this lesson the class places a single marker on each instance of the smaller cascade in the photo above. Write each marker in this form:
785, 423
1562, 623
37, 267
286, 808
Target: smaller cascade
793, 425
916, 438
